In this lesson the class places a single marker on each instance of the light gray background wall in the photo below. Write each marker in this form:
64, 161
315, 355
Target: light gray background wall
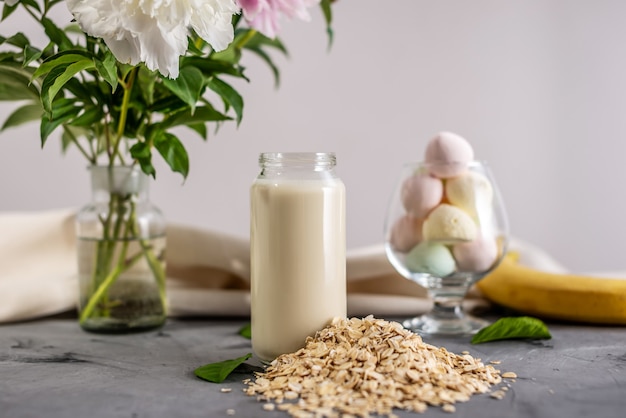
537, 86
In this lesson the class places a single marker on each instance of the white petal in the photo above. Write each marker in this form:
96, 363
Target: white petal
211, 19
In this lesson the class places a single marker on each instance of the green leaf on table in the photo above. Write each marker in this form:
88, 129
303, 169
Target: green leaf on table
218, 372
246, 331
513, 328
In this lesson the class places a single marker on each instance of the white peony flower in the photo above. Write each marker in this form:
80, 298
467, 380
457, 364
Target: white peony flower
155, 31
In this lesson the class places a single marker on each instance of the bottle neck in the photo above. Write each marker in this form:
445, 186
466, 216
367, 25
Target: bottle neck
301, 165
122, 181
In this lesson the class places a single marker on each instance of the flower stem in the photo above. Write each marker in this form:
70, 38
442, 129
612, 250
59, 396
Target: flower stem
121, 124
245, 39
102, 289
157, 270
90, 158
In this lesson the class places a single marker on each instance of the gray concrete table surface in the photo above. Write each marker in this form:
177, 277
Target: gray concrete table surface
51, 368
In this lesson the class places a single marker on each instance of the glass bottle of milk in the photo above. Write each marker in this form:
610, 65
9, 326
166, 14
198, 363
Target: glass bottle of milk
297, 250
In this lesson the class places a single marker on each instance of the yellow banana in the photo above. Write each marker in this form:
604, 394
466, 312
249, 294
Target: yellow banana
558, 296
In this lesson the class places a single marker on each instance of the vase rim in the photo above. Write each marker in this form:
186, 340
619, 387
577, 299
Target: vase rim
118, 178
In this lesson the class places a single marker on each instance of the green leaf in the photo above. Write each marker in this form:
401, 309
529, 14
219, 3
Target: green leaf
193, 48
56, 35
200, 128
146, 83
8, 56
32, 3
202, 114
58, 77
62, 59
15, 87
88, 117
169, 104
107, 69
142, 153
23, 114
268, 60
8, 10
213, 66
31, 54
261, 41
19, 40
229, 95
218, 372
15, 82
51, 3
258, 45
512, 328
173, 152
188, 86
328, 17
246, 331
61, 115
230, 54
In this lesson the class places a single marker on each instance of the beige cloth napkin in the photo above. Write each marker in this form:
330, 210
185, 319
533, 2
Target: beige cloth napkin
208, 273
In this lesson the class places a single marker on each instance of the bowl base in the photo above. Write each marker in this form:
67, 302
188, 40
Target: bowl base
428, 325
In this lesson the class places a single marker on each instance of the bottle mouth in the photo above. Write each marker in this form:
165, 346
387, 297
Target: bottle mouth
297, 159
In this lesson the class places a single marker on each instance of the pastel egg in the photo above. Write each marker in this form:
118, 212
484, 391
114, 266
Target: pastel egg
477, 256
472, 192
406, 233
447, 155
420, 194
449, 223
430, 258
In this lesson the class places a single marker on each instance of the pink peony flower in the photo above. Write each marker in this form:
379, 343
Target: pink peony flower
263, 15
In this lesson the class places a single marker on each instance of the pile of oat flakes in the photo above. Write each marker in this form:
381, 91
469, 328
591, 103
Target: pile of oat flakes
357, 367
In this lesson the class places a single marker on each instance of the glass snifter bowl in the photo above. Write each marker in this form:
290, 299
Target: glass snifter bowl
445, 233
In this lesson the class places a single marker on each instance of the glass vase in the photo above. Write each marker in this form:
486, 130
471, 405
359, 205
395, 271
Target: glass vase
121, 254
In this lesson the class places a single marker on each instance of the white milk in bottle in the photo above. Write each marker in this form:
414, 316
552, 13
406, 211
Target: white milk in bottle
297, 250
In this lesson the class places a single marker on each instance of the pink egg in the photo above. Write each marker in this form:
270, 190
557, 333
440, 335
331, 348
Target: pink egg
448, 155
421, 193
477, 255
406, 233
